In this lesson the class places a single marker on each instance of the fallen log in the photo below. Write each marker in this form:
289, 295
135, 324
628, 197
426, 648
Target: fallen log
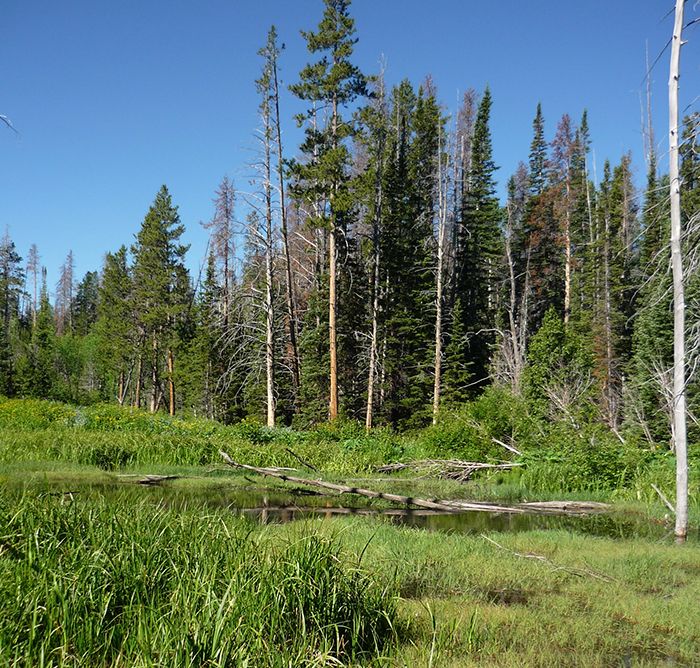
447, 506
567, 506
343, 489
443, 505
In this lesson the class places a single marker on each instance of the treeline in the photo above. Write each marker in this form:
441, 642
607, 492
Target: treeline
376, 276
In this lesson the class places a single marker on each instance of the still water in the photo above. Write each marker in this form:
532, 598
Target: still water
272, 505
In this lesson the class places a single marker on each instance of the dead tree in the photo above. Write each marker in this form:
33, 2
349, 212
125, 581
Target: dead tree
442, 187
679, 359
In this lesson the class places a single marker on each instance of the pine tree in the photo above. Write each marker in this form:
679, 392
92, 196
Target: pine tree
541, 237
42, 380
11, 284
160, 291
84, 305
481, 250
334, 82
118, 344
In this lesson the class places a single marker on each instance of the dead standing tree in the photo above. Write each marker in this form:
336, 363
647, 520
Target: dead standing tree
679, 359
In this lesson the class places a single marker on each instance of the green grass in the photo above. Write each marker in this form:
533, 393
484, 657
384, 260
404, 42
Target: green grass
86, 582
118, 579
597, 602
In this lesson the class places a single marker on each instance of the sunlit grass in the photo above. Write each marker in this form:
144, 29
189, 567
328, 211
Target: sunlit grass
90, 582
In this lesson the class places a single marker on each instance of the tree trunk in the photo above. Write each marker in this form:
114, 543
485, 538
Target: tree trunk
332, 303
608, 384
679, 400
291, 310
332, 332
442, 223
373, 350
120, 388
567, 250
139, 376
171, 382
269, 307
153, 406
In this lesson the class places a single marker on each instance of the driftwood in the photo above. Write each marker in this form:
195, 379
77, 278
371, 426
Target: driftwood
567, 506
663, 497
452, 506
451, 469
301, 461
149, 479
506, 446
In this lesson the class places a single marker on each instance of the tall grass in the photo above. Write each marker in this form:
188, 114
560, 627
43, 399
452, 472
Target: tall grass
84, 583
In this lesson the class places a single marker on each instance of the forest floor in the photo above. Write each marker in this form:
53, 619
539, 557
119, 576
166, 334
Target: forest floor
440, 590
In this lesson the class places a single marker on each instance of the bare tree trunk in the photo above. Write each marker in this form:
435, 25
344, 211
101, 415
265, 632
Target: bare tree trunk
332, 297
171, 382
567, 251
679, 400
515, 352
269, 307
608, 384
442, 224
332, 331
120, 389
139, 377
373, 344
291, 310
153, 406
379, 193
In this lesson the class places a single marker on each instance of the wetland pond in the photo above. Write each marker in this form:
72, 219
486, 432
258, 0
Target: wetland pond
266, 505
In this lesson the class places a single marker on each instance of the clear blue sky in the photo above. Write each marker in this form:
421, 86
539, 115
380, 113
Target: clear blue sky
113, 99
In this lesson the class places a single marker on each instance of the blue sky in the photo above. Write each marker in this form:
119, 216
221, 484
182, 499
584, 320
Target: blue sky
113, 99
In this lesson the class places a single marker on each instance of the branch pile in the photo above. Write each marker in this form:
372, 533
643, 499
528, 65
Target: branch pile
450, 469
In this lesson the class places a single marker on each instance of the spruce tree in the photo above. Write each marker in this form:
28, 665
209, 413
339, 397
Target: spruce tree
160, 291
481, 249
11, 284
332, 82
117, 340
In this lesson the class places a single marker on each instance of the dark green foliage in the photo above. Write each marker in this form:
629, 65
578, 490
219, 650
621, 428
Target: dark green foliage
115, 326
480, 249
11, 283
558, 380
407, 261
85, 304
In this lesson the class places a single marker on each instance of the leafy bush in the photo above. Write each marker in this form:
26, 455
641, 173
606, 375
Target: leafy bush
588, 459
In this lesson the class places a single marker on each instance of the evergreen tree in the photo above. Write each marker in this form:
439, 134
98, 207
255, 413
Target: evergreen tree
11, 284
117, 340
160, 291
481, 249
540, 253
42, 374
332, 82
84, 305
558, 380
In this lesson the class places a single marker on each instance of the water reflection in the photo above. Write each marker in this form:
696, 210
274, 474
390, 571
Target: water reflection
277, 506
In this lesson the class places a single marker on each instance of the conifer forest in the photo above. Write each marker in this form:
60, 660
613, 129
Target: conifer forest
378, 295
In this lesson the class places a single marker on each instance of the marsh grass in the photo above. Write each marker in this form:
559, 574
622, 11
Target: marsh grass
91, 583
466, 602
